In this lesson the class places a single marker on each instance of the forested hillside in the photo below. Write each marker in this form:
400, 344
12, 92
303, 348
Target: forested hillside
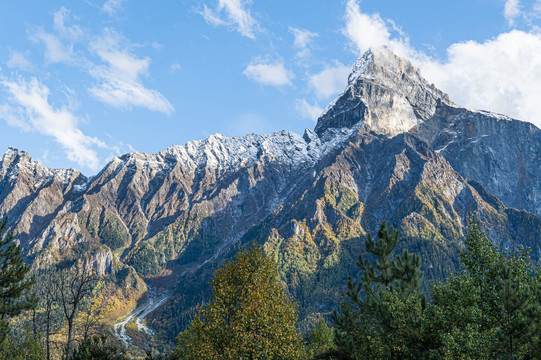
151, 230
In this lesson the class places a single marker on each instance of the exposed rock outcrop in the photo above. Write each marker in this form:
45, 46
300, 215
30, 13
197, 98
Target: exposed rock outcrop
391, 146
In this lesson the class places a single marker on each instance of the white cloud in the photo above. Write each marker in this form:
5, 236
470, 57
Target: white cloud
211, 17
268, 73
111, 7
56, 51
30, 110
13, 118
302, 40
118, 72
119, 80
60, 19
512, 11
232, 13
303, 37
330, 81
174, 67
502, 74
369, 31
59, 45
18, 60
306, 110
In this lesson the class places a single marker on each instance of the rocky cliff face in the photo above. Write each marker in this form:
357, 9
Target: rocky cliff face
386, 93
502, 154
35, 198
391, 146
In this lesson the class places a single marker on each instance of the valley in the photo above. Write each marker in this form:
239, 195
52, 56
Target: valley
390, 147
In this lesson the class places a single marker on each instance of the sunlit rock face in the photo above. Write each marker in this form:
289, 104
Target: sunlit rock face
220, 187
386, 94
390, 147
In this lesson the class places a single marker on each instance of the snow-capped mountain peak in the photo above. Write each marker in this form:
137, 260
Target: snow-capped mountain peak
384, 92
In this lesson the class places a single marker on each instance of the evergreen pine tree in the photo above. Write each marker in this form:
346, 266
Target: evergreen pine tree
14, 284
320, 340
382, 315
492, 310
508, 293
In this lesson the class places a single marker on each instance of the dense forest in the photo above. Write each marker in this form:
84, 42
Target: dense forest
490, 309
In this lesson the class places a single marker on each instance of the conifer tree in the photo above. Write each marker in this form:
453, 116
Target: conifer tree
14, 284
381, 316
492, 310
320, 340
24, 347
509, 293
248, 317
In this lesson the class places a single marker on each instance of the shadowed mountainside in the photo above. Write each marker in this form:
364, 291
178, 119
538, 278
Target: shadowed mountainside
391, 146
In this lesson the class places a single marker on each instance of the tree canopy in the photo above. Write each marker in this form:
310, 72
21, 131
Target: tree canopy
492, 310
248, 317
381, 315
14, 283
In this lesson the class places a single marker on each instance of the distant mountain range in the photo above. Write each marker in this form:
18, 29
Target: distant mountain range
390, 147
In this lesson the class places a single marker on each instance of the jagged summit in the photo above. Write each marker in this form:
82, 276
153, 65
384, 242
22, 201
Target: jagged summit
15, 163
172, 217
12, 152
384, 92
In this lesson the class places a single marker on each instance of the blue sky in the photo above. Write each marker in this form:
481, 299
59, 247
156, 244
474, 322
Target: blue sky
83, 81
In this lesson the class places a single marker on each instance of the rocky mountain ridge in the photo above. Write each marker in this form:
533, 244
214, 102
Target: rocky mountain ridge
390, 147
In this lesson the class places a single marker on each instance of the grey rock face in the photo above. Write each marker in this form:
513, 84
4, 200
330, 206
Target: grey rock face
242, 180
33, 196
218, 187
502, 154
391, 146
386, 93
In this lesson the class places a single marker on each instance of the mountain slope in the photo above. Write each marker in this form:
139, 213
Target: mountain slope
390, 147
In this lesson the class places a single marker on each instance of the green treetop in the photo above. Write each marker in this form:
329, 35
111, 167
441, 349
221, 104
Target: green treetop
248, 317
381, 317
14, 285
492, 310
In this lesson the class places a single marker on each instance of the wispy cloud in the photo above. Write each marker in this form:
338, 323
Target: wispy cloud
119, 79
502, 74
56, 51
308, 111
330, 81
116, 75
266, 72
302, 39
211, 17
59, 45
30, 110
107, 58
18, 60
233, 14
512, 11
61, 18
112, 7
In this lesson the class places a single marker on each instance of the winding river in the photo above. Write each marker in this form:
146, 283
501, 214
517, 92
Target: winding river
155, 298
